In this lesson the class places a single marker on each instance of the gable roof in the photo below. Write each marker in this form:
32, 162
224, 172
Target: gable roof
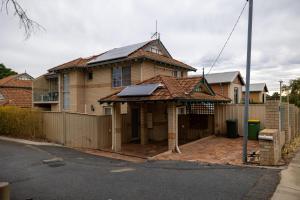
224, 77
257, 87
120, 52
13, 81
172, 89
130, 52
76, 63
16, 97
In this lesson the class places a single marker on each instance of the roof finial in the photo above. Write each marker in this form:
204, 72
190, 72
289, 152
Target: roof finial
156, 35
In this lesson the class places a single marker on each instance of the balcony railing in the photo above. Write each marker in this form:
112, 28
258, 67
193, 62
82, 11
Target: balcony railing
45, 96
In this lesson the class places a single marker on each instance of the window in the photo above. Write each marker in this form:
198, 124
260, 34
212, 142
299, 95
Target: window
177, 73
121, 76
107, 110
236, 95
66, 91
90, 75
1, 96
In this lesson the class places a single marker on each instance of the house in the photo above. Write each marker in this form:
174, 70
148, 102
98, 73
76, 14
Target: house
258, 92
227, 84
16, 90
163, 108
76, 86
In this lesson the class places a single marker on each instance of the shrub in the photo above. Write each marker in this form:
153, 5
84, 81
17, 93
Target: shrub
20, 122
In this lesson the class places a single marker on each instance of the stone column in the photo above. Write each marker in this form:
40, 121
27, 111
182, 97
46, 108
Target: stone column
116, 127
143, 115
172, 126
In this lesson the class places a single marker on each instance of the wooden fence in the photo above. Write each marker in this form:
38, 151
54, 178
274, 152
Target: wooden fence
77, 130
224, 112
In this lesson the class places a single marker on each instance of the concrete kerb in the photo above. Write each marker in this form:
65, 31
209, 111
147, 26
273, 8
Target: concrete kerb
29, 142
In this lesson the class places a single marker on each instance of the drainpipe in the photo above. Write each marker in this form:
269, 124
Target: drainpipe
177, 150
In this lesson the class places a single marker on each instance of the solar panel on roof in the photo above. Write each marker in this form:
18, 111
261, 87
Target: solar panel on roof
118, 52
139, 90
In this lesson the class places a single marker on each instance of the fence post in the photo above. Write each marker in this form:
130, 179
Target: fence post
64, 129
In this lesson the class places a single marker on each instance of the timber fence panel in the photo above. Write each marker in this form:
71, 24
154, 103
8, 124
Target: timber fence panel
77, 130
53, 126
225, 112
104, 131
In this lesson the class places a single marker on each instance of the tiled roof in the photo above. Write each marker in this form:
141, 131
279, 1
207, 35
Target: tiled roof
16, 97
160, 58
77, 63
12, 81
173, 89
132, 53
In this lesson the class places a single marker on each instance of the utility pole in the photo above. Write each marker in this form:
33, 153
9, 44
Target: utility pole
280, 100
248, 65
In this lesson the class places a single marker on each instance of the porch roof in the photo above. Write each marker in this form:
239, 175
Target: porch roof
172, 89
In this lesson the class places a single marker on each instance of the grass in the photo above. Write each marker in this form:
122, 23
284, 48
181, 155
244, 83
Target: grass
21, 122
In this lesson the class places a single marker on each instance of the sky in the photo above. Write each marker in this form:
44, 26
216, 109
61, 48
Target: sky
193, 31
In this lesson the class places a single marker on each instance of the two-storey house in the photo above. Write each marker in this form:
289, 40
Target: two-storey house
76, 86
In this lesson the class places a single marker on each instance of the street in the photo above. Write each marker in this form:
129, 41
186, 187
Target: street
76, 175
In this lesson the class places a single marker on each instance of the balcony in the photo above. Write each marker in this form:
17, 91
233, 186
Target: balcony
45, 96
45, 90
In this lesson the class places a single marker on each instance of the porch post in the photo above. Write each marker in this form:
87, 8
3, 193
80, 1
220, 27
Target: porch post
172, 126
144, 134
116, 127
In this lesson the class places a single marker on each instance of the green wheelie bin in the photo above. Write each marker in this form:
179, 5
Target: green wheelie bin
253, 129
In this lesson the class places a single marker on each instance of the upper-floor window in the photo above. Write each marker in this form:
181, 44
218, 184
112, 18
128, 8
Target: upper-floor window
154, 49
236, 95
1, 96
66, 91
121, 76
90, 75
177, 74
107, 110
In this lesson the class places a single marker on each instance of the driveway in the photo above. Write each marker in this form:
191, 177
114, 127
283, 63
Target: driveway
77, 175
212, 149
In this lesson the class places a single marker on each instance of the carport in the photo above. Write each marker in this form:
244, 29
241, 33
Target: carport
163, 108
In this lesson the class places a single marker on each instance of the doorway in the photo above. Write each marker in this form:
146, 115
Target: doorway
135, 121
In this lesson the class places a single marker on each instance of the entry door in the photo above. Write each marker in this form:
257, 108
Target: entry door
135, 123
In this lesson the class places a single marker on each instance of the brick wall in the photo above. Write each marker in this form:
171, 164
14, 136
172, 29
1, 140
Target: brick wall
270, 150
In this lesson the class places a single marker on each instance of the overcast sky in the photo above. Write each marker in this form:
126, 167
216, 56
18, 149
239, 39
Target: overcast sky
192, 31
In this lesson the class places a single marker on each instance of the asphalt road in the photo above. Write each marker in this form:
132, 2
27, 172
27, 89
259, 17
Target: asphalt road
84, 176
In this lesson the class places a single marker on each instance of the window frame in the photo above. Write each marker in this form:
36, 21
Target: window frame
106, 108
66, 91
120, 77
236, 95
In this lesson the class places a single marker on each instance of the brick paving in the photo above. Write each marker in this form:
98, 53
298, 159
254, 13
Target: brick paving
212, 149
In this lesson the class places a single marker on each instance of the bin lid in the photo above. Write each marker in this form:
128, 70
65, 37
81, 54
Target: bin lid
231, 120
253, 121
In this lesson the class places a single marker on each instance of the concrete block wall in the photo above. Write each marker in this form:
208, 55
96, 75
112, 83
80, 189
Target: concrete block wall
272, 115
286, 127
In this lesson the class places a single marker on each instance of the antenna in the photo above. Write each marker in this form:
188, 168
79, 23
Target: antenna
156, 35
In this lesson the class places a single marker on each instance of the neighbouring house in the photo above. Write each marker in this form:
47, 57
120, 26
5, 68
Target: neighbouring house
258, 92
163, 108
16, 90
76, 86
227, 84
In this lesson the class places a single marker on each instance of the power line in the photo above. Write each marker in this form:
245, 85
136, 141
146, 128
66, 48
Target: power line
238, 19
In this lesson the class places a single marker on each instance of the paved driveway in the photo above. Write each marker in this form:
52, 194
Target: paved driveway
212, 149
85, 176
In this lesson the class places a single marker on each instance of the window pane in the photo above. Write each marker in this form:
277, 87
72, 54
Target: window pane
116, 76
126, 76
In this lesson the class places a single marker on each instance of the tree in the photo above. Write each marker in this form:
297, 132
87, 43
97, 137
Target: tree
4, 72
26, 23
274, 96
294, 88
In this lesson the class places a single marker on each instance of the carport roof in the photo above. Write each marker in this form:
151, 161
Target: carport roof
172, 89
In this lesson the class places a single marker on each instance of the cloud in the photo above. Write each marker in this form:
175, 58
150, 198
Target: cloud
193, 31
